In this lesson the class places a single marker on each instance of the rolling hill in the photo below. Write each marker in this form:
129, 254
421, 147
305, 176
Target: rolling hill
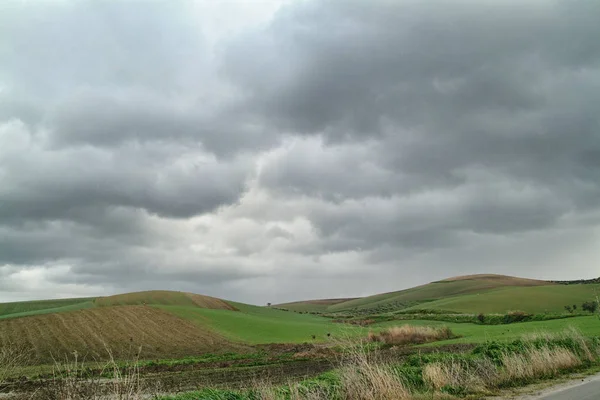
313, 305
417, 296
168, 324
164, 324
122, 329
536, 299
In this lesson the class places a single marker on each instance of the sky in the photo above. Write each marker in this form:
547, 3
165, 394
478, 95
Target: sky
270, 151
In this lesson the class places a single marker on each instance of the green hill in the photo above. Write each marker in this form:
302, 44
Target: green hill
419, 295
25, 308
537, 299
312, 305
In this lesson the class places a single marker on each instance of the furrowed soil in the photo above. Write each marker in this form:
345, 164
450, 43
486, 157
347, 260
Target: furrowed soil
122, 329
164, 297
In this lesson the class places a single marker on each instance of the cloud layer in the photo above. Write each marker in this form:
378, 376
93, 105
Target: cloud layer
295, 150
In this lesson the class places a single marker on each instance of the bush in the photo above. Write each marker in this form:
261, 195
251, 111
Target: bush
516, 316
590, 306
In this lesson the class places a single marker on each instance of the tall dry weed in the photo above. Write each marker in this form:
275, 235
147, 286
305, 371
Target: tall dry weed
72, 381
410, 334
537, 363
362, 378
476, 377
12, 356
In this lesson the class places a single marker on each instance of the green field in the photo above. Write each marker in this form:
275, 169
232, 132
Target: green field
421, 296
473, 333
257, 325
24, 308
471, 294
537, 299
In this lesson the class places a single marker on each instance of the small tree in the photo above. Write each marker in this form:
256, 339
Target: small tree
268, 304
574, 307
569, 309
590, 306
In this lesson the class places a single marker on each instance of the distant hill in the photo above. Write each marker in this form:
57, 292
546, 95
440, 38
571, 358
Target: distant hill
312, 305
417, 296
164, 297
533, 299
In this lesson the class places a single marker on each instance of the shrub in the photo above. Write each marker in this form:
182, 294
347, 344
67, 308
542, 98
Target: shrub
590, 306
569, 309
409, 334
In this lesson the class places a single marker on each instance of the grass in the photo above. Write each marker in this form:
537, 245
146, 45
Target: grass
25, 308
472, 333
257, 325
434, 291
311, 305
537, 299
162, 297
433, 376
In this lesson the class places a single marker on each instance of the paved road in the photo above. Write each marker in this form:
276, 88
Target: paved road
588, 390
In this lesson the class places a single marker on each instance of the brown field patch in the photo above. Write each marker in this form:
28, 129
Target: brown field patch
123, 329
164, 297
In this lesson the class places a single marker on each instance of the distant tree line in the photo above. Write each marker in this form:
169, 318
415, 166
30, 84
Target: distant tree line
578, 281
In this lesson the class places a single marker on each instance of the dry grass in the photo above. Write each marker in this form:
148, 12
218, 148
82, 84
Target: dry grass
363, 378
476, 378
483, 376
367, 381
409, 334
537, 363
12, 356
568, 335
70, 382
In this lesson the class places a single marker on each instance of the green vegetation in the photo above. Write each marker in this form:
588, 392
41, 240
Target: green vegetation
420, 295
208, 342
537, 299
24, 308
255, 325
483, 371
472, 333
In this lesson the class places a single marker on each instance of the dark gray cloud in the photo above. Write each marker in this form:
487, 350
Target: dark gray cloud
330, 148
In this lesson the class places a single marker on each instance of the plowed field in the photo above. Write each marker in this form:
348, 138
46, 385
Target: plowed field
122, 329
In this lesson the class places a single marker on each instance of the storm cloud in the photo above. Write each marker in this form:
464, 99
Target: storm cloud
298, 149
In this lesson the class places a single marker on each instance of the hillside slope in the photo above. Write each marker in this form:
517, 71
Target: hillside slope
320, 305
164, 297
536, 299
122, 329
394, 301
152, 297
25, 308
